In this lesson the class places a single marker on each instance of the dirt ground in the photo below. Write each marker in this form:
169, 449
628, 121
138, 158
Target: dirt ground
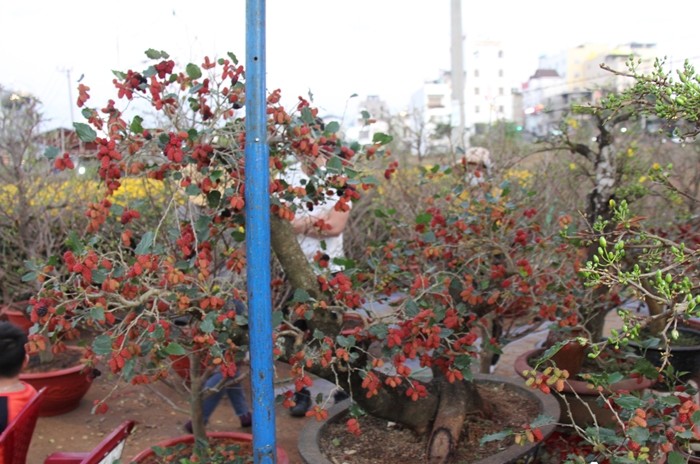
79, 430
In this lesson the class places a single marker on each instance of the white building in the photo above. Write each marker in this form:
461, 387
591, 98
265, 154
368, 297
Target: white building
488, 83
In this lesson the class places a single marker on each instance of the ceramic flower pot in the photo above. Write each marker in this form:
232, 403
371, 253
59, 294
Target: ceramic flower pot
66, 386
578, 400
149, 456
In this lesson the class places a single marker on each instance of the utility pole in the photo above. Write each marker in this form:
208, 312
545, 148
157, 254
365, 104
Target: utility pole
70, 96
457, 74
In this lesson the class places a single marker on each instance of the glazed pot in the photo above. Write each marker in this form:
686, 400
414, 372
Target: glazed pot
310, 436
66, 387
247, 438
578, 400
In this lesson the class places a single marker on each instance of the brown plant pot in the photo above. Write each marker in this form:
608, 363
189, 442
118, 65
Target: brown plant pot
571, 355
246, 438
310, 436
65, 387
578, 400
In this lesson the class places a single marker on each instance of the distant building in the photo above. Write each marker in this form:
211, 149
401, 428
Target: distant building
488, 93
575, 76
488, 83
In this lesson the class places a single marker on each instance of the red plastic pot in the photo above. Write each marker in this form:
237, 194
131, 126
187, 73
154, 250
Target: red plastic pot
15, 314
65, 387
282, 457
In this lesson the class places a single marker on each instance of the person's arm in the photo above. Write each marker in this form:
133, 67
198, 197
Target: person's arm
334, 223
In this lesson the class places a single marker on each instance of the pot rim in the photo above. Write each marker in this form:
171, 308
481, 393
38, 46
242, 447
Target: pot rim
282, 457
57, 372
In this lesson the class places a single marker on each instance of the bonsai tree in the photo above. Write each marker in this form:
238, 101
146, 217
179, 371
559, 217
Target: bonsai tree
655, 262
474, 254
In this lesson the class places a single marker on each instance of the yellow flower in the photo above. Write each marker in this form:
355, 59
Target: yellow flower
656, 166
572, 166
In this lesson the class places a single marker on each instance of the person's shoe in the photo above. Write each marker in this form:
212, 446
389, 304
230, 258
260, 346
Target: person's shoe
188, 427
302, 400
340, 396
246, 420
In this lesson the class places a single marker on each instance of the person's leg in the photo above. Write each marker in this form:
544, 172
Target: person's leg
211, 401
237, 397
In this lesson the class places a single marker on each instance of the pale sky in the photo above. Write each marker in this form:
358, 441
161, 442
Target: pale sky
334, 48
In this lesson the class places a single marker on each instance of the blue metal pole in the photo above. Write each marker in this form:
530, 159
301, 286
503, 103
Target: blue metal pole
258, 237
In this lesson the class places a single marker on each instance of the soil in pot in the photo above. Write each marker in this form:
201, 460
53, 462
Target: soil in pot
380, 443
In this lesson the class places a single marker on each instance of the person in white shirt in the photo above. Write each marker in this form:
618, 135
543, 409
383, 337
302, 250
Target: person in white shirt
318, 229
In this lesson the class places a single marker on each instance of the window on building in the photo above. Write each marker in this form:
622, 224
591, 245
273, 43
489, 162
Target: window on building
500, 73
476, 109
500, 53
476, 90
501, 109
476, 73
500, 91
435, 101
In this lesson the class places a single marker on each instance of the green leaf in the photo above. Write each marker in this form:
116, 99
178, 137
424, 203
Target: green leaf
674, 457
638, 434
334, 165
201, 228
51, 153
73, 242
306, 115
119, 75
192, 190
29, 276
85, 132
629, 402
175, 349
128, 373
277, 317
98, 276
381, 138
424, 218
233, 57
214, 198
300, 296
332, 127
345, 342
155, 54
193, 71
541, 421
97, 313
495, 436
145, 244
379, 330
136, 126
207, 325
102, 345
